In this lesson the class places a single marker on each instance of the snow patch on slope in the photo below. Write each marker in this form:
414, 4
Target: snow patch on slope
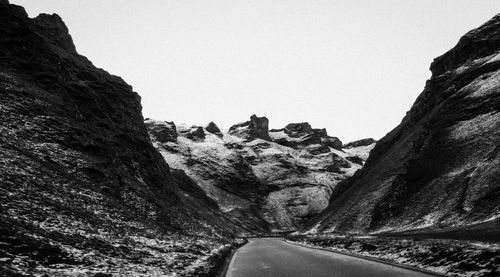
297, 184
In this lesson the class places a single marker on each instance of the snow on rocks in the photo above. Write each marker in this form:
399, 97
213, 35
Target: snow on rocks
280, 179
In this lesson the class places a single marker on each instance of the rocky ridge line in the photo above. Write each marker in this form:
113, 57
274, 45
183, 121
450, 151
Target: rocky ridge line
272, 180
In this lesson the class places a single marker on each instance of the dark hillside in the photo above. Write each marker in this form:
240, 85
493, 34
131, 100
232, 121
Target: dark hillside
440, 168
82, 188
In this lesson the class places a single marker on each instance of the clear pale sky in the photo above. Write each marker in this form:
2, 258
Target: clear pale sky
353, 67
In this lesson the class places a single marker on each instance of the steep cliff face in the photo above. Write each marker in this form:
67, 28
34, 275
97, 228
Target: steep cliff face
271, 180
440, 168
82, 188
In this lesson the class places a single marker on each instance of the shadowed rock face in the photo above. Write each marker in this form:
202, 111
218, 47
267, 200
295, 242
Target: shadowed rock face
81, 184
440, 168
52, 26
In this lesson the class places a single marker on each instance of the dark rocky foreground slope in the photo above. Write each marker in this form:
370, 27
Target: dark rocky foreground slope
273, 180
82, 189
439, 170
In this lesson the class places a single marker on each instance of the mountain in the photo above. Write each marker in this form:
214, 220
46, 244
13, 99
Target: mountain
272, 180
83, 191
439, 170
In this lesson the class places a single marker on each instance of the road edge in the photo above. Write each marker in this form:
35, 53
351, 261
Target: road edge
227, 260
370, 259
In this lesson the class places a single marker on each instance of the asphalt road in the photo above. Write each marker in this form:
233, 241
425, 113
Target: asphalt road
273, 257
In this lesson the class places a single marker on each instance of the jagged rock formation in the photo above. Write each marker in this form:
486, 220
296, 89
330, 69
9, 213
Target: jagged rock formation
214, 129
162, 131
193, 133
82, 190
298, 129
259, 180
257, 127
302, 135
439, 170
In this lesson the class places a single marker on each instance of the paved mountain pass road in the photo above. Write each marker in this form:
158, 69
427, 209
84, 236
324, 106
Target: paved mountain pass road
275, 258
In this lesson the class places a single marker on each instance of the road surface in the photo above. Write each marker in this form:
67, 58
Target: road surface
274, 258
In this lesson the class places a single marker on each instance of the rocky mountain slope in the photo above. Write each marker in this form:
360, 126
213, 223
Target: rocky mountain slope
272, 179
83, 191
439, 170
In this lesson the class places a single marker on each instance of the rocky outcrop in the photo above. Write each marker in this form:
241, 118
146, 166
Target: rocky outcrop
262, 183
52, 26
317, 149
361, 142
301, 135
195, 133
214, 129
257, 127
162, 131
298, 129
82, 188
332, 142
439, 169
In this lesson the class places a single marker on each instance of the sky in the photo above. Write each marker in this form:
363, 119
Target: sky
353, 67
